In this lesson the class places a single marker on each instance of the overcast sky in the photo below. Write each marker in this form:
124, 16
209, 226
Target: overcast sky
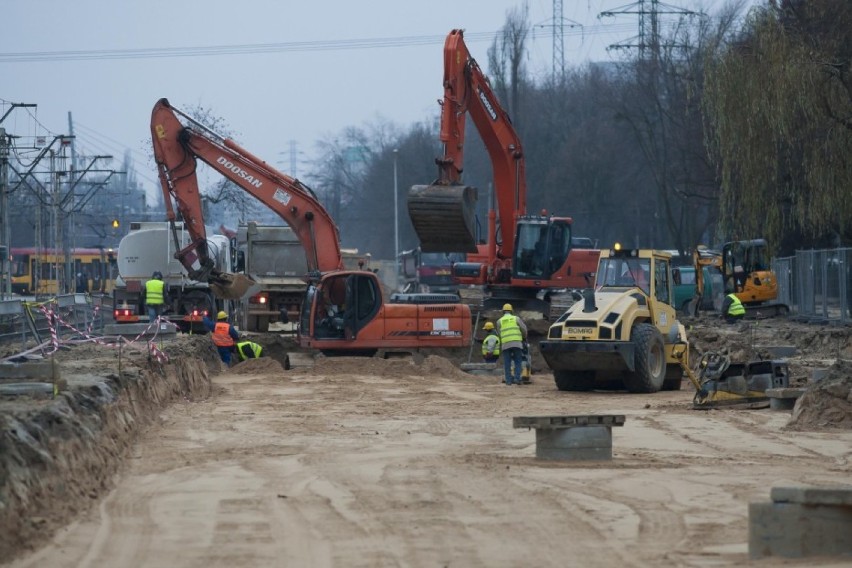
267, 98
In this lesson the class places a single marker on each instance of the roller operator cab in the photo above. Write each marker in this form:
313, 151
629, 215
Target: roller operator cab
344, 313
623, 333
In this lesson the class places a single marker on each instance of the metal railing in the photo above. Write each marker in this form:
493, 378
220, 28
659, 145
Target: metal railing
817, 285
25, 324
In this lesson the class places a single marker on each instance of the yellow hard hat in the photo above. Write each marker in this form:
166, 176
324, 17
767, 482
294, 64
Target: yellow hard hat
223, 315
488, 325
507, 307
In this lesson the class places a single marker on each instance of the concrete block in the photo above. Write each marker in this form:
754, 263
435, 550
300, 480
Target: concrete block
11, 307
779, 351
481, 368
134, 329
574, 444
572, 438
818, 375
838, 496
559, 422
15, 389
794, 530
33, 370
783, 398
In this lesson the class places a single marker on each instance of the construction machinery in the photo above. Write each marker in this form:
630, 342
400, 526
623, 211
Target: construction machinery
746, 273
149, 247
428, 271
343, 311
720, 383
623, 332
525, 259
273, 257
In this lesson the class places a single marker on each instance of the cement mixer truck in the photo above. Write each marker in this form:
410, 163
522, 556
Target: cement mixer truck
149, 247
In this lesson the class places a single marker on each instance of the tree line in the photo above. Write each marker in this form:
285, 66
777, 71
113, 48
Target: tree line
731, 126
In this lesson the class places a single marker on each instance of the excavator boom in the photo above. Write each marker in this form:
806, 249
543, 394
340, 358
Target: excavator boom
443, 213
521, 255
178, 144
343, 311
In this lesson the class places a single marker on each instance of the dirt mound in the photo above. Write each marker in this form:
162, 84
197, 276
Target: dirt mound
261, 366
828, 403
372, 366
432, 365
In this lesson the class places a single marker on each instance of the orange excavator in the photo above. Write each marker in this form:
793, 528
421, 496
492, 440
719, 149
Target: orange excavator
343, 311
526, 259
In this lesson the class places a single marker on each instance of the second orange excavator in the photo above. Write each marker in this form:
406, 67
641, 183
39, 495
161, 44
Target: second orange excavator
526, 258
343, 311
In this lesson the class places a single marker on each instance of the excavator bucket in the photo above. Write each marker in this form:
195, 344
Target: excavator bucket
228, 286
444, 217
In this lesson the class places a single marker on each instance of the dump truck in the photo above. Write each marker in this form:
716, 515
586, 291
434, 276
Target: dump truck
273, 257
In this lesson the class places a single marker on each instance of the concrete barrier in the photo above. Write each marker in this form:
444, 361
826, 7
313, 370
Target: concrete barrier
802, 522
783, 398
572, 438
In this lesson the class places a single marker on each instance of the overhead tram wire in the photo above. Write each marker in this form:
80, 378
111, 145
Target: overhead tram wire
116, 148
248, 49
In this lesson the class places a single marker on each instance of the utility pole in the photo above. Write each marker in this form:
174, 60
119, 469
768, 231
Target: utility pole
4, 206
396, 214
649, 12
558, 23
558, 40
6, 233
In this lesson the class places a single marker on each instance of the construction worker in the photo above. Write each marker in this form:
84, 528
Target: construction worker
248, 350
491, 343
513, 333
733, 308
223, 334
155, 295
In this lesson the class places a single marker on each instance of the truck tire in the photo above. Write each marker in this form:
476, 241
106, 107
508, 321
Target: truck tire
649, 360
574, 380
674, 378
262, 324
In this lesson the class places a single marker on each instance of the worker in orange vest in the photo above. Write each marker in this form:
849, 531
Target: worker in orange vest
223, 334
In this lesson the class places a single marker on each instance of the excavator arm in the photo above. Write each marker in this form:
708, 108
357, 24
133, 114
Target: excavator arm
436, 210
179, 144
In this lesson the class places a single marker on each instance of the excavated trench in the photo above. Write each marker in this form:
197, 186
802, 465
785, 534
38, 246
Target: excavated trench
59, 455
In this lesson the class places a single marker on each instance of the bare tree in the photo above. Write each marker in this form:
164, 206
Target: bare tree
506, 59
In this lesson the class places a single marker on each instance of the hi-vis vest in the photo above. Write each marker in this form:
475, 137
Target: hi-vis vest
510, 330
737, 308
491, 345
221, 337
154, 292
248, 350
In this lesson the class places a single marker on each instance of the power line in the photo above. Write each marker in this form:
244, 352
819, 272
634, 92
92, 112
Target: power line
247, 49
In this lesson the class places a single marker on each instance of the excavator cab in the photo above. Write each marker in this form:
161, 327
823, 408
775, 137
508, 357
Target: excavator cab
541, 247
339, 305
745, 267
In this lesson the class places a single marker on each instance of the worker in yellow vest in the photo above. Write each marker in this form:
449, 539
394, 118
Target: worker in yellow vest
513, 333
248, 350
733, 309
155, 295
491, 343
